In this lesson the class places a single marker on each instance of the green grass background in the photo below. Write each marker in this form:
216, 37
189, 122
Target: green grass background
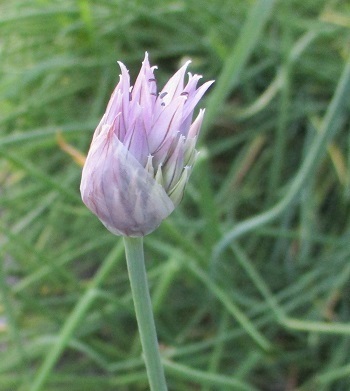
250, 275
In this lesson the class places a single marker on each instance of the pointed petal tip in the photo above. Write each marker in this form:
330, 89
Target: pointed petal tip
147, 62
121, 64
123, 68
186, 64
191, 75
209, 83
183, 68
146, 59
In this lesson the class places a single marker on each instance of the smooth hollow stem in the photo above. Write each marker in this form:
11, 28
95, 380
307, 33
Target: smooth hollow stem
144, 313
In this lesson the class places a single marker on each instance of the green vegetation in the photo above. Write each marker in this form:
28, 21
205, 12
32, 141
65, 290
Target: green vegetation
249, 277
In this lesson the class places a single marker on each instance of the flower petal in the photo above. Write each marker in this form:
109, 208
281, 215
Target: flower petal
136, 138
167, 124
144, 92
175, 85
194, 98
196, 125
174, 165
125, 92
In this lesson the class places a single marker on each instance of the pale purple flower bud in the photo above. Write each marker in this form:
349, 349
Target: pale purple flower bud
143, 151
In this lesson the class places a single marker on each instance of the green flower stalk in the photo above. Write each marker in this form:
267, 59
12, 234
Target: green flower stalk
135, 174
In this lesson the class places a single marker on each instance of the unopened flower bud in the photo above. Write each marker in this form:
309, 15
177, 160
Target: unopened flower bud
142, 151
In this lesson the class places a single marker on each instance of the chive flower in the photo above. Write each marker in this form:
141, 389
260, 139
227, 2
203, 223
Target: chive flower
143, 151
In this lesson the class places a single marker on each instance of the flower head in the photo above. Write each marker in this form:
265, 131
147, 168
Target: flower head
143, 151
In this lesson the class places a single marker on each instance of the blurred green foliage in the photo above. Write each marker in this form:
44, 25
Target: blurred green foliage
250, 276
